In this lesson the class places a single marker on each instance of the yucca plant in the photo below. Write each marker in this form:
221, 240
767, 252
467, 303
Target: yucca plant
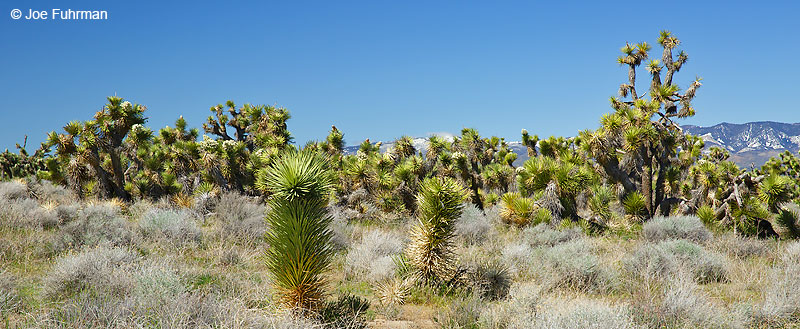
706, 214
393, 291
516, 209
634, 205
439, 204
299, 239
787, 218
774, 190
600, 201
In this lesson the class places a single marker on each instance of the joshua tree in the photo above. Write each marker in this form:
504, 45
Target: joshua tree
299, 250
529, 142
470, 155
258, 126
560, 179
22, 164
334, 143
498, 176
403, 148
639, 143
164, 164
99, 140
439, 204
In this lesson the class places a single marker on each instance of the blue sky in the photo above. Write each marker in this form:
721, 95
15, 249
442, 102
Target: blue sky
381, 69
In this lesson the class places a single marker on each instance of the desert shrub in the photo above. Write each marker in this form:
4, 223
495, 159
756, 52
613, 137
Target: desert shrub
347, 312
489, 280
67, 212
103, 268
473, 226
672, 256
519, 258
676, 227
13, 190
339, 226
175, 226
205, 201
685, 305
240, 218
573, 264
781, 302
230, 256
9, 299
107, 287
371, 259
492, 214
464, 311
45, 191
96, 224
582, 313
517, 311
156, 285
24, 212
740, 247
544, 236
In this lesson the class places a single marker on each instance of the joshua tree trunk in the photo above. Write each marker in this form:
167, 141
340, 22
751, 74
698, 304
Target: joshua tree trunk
612, 168
473, 186
663, 165
647, 181
116, 166
102, 174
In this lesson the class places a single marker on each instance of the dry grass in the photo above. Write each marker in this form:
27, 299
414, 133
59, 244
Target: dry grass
68, 264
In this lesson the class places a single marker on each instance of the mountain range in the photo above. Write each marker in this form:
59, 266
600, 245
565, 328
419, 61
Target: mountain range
750, 144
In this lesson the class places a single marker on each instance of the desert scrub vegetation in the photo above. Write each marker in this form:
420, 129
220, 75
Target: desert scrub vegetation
632, 224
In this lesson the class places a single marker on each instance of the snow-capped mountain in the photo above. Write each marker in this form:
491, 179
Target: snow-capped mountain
751, 143
752, 136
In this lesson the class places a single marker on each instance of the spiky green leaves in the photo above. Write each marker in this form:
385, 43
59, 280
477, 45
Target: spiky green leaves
299, 250
600, 201
634, 205
787, 218
296, 175
774, 190
299, 238
440, 200
516, 209
567, 178
439, 204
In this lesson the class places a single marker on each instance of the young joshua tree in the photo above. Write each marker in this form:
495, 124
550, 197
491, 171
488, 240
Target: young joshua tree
299, 250
439, 204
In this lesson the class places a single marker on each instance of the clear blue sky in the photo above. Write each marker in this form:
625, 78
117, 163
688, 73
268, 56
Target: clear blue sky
382, 69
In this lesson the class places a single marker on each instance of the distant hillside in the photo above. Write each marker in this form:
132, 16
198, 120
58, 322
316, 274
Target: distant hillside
749, 143
752, 142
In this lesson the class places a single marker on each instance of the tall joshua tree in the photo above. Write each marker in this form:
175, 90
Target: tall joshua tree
99, 140
639, 143
299, 250
258, 126
439, 204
